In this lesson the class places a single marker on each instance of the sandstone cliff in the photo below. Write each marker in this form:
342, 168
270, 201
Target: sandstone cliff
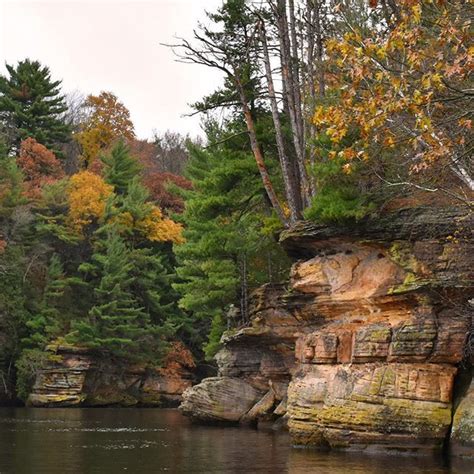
76, 377
362, 349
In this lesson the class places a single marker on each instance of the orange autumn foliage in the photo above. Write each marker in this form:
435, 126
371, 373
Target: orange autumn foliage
87, 195
155, 179
39, 167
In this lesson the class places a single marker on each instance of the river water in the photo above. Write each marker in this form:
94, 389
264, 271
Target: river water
86, 441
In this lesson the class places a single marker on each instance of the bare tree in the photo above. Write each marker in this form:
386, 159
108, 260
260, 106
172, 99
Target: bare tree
229, 51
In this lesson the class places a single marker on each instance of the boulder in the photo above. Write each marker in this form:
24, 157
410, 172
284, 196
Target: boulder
462, 433
219, 399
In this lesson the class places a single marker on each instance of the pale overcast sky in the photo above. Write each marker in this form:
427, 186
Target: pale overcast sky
95, 45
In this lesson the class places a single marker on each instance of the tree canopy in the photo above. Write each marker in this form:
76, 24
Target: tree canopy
32, 106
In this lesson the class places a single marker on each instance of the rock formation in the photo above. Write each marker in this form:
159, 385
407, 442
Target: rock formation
76, 377
369, 335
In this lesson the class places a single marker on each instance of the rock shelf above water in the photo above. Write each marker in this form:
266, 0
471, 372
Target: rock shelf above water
363, 348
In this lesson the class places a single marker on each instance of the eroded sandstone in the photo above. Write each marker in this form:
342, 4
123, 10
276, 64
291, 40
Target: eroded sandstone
76, 377
370, 332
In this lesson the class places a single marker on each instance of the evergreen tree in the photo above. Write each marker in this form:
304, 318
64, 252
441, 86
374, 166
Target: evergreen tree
47, 322
116, 322
154, 272
228, 249
31, 105
42, 326
120, 167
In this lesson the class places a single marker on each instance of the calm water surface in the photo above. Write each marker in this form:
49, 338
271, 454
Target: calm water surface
135, 440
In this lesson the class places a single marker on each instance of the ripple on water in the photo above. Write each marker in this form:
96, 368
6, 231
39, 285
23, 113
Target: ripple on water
102, 441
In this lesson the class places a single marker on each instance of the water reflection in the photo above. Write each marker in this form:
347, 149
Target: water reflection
150, 441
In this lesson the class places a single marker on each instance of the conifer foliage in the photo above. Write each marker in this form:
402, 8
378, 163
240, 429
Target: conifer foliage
228, 249
31, 105
116, 323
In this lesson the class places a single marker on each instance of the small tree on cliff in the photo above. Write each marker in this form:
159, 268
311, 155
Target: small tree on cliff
47, 323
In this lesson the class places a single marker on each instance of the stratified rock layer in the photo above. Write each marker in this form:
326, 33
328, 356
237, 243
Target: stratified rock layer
255, 367
75, 377
370, 333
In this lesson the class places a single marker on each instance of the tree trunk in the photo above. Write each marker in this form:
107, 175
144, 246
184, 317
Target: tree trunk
257, 152
295, 66
319, 48
292, 192
294, 107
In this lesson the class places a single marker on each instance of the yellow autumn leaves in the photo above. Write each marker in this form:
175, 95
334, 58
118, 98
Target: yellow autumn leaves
107, 120
393, 89
87, 196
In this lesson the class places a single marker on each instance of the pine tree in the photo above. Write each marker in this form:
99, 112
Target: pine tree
154, 271
48, 322
116, 322
120, 167
227, 248
31, 105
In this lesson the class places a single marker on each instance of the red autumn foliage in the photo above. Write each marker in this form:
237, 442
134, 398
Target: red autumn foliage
39, 166
157, 183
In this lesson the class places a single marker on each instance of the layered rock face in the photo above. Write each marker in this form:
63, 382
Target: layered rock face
390, 325
378, 315
462, 433
255, 366
75, 377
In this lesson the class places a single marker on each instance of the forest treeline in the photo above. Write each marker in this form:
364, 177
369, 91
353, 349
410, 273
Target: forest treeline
327, 110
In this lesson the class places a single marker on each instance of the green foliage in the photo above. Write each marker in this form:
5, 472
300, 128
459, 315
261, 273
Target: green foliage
13, 307
31, 105
213, 345
116, 322
120, 167
338, 197
227, 251
48, 322
51, 213
340, 194
27, 366
11, 181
